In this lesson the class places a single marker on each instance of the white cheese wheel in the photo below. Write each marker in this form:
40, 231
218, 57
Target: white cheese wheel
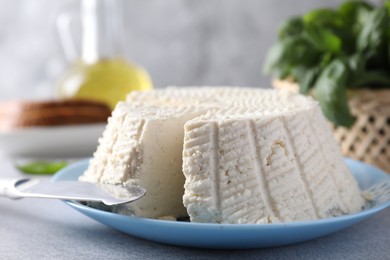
243, 156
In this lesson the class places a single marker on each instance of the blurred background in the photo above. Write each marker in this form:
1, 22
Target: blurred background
179, 42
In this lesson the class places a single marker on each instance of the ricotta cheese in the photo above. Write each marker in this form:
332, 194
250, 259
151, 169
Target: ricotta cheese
225, 155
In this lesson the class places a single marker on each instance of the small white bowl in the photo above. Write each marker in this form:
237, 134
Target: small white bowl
60, 141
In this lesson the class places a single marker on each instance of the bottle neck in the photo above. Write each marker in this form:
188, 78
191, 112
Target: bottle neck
102, 24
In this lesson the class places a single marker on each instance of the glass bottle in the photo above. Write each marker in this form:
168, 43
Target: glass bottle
101, 72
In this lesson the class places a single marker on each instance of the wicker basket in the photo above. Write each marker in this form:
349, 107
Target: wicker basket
368, 139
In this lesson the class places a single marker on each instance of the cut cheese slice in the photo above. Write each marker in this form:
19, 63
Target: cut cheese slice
143, 146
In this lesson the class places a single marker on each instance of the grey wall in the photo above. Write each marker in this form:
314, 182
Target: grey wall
180, 42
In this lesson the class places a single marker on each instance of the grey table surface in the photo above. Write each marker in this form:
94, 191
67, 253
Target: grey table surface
49, 229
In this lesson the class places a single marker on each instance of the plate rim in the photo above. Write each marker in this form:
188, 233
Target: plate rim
56, 128
77, 141
361, 214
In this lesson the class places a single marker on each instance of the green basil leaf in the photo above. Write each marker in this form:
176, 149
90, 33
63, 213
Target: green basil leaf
289, 52
42, 167
357, 67
286, 53
376, 78
386, 4
324, 17
274, 57
323, 39
356, 63
326, 59
331, 94
373, 34
282, 71
292, 27
349, 10
306, 77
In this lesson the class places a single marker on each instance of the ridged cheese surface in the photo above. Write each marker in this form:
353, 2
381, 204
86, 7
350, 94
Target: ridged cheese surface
248, 156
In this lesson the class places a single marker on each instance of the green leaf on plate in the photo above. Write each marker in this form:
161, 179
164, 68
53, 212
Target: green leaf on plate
42, 167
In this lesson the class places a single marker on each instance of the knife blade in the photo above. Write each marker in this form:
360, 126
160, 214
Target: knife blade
109, 194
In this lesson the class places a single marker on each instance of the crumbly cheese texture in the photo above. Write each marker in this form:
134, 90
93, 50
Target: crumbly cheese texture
142, 145
239, 155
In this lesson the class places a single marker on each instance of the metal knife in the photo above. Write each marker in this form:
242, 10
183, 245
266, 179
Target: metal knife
70, 190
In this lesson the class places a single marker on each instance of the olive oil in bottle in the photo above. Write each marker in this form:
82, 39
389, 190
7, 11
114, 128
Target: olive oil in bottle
102, 72
107, 80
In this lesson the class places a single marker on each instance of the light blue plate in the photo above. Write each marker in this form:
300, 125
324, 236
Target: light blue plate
230, 236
